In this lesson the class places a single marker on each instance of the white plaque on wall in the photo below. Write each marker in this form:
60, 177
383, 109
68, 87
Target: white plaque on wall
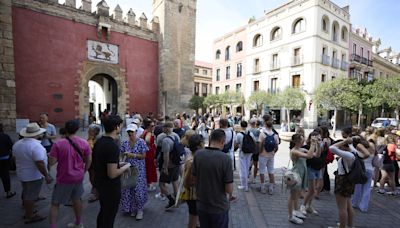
102, 52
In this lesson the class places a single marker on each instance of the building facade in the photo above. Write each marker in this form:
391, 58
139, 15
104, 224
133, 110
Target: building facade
360, 51
202, 79
53, 52
386, 61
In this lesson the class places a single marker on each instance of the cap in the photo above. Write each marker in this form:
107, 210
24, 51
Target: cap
132, 127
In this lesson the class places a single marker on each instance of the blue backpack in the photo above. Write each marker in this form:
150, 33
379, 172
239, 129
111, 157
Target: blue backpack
178, 153
270, 144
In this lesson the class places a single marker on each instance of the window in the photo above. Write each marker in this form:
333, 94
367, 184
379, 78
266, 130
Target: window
239, 70
227, 88
275, 64
196, 70
335, 30
218, 76
323, 77
325, 23
368, 55
205, 72
217, 90
204, 89
324, 50
298, 26
297, 57
344, 33
355, 49
217, 54
257, 41
296, 81
274, 82
257, 65
196, 88
238, 87
256, 85
362, 52
276, 33
228, 72
239, 46
227, 54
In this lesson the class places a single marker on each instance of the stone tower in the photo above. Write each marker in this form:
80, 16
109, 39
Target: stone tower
7, 77
177, 31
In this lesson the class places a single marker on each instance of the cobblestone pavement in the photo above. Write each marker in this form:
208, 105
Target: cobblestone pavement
252, 209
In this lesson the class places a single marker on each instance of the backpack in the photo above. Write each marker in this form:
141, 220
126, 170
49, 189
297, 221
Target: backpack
178, 153
270, 144
276, 133
383, 153
228, 146
248, 144
357, 174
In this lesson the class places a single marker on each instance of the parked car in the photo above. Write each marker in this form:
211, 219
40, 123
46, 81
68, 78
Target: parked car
379, 122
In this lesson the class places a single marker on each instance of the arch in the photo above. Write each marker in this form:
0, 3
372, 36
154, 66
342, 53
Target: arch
239, 46
335, 31
276, 33
325, 23
257, 40
299, 25
344, 33
218, 54
227, 53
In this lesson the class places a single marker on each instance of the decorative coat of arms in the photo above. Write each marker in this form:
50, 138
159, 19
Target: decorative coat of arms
102, 52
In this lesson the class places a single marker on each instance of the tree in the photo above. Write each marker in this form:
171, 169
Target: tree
213, 101
338, 94
231, 99
290, 99
258, 99
196, 102
387, 91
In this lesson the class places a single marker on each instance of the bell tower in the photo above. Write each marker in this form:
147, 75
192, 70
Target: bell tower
177, 32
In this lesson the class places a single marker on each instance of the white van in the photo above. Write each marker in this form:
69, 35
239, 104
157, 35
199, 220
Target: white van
378, 122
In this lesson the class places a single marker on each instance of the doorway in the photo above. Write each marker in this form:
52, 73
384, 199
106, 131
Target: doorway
103, 95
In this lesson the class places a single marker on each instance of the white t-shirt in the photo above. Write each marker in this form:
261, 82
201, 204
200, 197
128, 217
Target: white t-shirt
27, 151
229, 133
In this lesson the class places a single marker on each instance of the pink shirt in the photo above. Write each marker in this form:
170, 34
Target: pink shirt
71, 167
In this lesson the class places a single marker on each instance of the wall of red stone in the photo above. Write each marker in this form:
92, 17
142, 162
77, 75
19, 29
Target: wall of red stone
48, 51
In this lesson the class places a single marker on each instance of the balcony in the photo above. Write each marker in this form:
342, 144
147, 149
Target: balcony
370, 63
344, 65
355, 57
273, 90
335, 63
297, 60
364, 61
274, 66
325, 60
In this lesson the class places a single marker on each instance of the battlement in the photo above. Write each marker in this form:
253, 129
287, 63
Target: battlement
101, 17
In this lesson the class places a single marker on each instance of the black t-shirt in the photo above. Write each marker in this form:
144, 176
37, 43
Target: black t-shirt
5, 145
105, 151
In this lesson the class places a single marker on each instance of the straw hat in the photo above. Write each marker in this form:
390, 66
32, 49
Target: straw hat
32, 130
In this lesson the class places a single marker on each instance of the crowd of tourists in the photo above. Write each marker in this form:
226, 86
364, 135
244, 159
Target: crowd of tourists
192, 160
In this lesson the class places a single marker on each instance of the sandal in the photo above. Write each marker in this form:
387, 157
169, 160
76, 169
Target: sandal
40, 198
93, 199
34, 212
35, 218
10, 194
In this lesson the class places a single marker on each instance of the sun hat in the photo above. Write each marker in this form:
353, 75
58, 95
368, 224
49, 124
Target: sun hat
136, 121
32, 130
132, 127
398, 133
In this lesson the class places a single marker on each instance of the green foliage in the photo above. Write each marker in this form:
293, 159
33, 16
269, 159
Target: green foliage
196, 102
213, 101
290, 98
386, 91
258, 99
232, 98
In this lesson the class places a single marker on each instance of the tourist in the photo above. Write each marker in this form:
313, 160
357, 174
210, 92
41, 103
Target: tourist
138, 121
196, 142
284, 126
244, 157
194, 124
299, 155
74, 157
150, 160
177, 129
50, 134
31, 163
108, 171
202, 127
5, 161
134, 149
269, 141
93, 134
169, 171
388, 168
255, 130
213, 174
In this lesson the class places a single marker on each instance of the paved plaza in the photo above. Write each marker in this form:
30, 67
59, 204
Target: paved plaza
252, 209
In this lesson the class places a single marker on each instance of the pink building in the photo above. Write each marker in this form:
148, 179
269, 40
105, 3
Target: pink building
360, 52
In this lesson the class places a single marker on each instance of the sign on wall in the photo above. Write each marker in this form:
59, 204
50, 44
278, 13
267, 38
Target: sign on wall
102, 52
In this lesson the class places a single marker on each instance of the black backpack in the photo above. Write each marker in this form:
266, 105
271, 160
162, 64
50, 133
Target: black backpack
248, 144
357, 174
228, 146
178, 153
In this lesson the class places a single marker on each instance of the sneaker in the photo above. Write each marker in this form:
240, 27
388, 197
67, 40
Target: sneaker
73, 225
152, 188
232, 199
298, 214
246, 189
139, 215
303, 209
263, 190
311, 210
381, 191
270, 189
295, 220
133, 214
240, 187
160, 196
171, 205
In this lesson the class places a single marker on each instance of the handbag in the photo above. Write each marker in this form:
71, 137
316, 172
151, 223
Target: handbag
290, 177
377, 161
129, 177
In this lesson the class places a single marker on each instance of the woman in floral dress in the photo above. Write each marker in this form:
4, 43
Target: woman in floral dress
134, 199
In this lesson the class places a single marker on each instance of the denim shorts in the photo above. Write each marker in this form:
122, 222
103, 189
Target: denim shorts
314, 174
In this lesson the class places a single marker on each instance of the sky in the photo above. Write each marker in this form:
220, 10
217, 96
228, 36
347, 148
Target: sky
217, 17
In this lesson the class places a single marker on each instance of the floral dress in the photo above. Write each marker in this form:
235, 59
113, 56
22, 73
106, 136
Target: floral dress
134, 199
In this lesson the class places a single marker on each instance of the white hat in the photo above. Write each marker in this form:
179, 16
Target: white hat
32, 130
132, 127
136, 121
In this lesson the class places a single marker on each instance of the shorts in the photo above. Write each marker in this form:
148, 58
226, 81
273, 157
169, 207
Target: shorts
388, 167
192, 207
31, 189
173, 175
343, 186
314, 174
63, 193
254, 157
266, 164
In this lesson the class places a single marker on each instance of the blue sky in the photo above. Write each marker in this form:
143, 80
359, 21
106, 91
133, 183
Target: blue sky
217, 17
